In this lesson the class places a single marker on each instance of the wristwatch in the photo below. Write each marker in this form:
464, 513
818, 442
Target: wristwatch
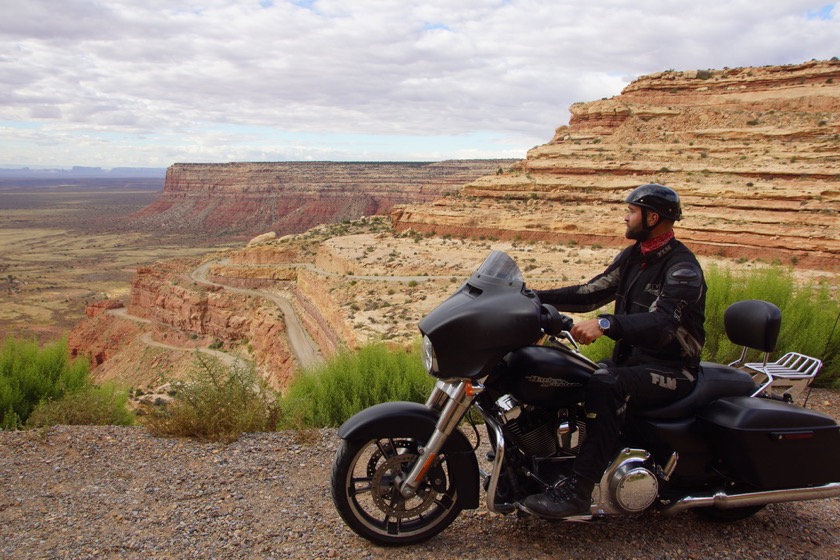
604, 324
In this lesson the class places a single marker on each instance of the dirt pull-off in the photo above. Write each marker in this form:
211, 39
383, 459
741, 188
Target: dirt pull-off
108, 492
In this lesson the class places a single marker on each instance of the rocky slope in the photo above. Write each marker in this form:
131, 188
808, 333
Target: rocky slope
248, 199
181, 313
754, 152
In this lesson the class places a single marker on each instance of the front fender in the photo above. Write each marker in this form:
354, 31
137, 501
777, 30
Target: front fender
409, 419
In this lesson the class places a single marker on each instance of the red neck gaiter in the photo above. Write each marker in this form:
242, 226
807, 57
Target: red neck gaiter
657, 242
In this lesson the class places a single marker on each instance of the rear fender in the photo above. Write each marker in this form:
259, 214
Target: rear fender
408, 419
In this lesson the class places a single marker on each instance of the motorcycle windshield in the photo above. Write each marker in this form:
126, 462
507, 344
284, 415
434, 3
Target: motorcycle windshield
488, 316
499, 265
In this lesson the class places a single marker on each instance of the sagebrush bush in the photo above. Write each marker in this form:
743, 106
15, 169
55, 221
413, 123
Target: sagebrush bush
104, 405
809, 317
217, 403
30, 375
354, 380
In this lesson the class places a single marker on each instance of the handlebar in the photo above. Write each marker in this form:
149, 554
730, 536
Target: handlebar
553, 322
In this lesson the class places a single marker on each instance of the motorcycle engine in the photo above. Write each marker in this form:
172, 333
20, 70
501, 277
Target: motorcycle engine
537, 431
527, 427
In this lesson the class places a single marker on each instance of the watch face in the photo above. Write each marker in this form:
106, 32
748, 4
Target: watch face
604, 324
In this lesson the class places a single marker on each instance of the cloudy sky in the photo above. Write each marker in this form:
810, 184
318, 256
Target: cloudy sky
153, 82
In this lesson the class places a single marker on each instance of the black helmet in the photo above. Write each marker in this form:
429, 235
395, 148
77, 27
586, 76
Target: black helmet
659, 198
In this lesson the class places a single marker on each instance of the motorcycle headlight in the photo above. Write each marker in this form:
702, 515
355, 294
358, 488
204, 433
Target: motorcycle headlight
429, 358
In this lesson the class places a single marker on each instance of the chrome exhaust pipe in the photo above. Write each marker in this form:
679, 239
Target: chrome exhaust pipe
723, 500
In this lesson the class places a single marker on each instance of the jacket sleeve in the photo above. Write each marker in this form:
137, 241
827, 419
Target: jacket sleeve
595, 293
682, 288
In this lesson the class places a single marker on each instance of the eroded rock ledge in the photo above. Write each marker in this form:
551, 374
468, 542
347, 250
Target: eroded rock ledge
754, 152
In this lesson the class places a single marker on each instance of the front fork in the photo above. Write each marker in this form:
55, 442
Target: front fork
453, 400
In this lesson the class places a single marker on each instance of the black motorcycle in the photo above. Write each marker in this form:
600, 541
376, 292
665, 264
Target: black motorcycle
404, 471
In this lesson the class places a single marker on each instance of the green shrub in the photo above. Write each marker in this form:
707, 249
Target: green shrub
809, 318
352, 381
29, 375
104, 405
217, 403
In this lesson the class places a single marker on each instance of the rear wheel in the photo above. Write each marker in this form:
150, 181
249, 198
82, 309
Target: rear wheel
366, 477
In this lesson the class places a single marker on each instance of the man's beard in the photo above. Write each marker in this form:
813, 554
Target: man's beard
637, 234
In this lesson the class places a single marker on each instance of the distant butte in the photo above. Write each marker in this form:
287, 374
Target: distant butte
247, 199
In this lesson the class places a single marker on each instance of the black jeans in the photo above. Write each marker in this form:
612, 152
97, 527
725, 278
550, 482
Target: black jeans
610, 392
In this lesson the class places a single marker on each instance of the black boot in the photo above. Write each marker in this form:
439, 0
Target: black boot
571, 496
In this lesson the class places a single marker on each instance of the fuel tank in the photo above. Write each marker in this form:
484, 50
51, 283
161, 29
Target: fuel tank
547, 376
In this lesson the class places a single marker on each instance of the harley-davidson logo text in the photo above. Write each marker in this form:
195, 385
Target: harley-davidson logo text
550, 381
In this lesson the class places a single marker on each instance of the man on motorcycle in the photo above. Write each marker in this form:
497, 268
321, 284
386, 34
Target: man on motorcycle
660, 297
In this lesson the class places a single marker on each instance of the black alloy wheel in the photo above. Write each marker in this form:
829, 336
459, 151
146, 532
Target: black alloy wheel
366, 476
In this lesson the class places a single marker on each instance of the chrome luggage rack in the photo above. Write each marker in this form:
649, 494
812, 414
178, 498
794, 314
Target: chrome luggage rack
785, 378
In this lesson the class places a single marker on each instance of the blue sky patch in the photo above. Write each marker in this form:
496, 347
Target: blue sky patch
428, 26
824, 13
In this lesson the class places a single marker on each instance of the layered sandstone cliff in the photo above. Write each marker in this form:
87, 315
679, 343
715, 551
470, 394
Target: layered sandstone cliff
754, 153
247, 199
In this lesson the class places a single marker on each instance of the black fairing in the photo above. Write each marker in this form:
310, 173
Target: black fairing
490, 315
546, 376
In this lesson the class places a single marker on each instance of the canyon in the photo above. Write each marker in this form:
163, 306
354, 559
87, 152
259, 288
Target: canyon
753, 152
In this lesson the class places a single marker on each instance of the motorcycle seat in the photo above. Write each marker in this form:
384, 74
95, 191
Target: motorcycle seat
714, 381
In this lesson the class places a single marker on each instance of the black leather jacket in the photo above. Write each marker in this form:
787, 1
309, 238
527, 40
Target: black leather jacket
660, 301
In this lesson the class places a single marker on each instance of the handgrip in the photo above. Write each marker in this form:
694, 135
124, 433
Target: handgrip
553, 322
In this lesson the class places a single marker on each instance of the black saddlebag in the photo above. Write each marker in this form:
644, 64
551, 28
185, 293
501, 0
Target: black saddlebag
771, 444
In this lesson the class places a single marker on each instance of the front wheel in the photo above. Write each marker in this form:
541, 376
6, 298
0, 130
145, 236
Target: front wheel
366, 476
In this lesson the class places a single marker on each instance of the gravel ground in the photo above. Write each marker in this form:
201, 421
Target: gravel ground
110, 492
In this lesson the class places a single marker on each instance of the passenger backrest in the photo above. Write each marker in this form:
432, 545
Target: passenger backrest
753, 323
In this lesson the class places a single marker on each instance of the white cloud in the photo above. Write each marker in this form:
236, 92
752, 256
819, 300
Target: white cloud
300, 75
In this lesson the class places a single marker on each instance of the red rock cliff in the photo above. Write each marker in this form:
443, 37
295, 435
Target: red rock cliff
754, 153
247, 199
